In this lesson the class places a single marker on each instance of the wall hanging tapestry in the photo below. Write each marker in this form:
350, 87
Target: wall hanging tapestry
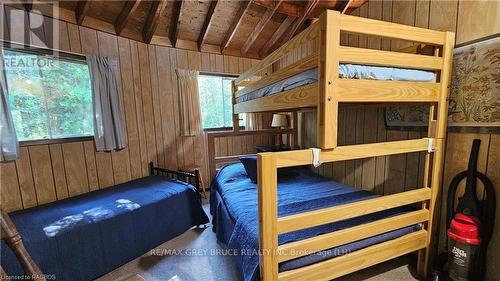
474, 96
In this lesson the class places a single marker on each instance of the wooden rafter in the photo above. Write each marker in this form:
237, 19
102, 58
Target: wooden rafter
128, 9
152, 20
292, 8
259, 27
234, 25
287, 8
311, 4
82, 8
28, 5
207, 23
174, 23
347, 4
277, 35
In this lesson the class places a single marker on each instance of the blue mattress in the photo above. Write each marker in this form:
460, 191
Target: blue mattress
352, 71
233, 205
84, 237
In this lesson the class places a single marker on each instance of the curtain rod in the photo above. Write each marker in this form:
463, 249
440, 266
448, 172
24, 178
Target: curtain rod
209, 73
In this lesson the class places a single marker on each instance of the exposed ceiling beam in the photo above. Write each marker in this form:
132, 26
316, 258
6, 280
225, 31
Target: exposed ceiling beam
234, 25
259, 27
128, 9
81, 10
28, 5
174, 22
344, 9
286, 8
152, 20
291, 8
310, 6
207, 23
276, 35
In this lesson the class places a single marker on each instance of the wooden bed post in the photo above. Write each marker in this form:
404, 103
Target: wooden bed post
438, 119
329, 44
236, 117
15, 242
295, 136
268, 215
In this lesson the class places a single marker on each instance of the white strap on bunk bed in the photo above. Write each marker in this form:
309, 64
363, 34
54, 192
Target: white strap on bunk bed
316, 157
429, 145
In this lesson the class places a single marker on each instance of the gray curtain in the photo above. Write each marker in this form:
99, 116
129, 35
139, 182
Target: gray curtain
251, 121
8, 138
189, 102
109, 125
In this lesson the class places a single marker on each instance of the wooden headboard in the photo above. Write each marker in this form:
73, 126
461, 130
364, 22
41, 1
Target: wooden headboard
216, 159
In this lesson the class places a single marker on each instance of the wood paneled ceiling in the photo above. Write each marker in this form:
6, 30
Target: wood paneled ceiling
242, 28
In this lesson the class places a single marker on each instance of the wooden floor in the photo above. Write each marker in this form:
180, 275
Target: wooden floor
197, 256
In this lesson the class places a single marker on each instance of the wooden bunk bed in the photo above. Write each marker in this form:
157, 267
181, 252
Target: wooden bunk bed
326, 94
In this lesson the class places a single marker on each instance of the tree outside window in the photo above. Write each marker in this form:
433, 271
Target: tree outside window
215, 102
50, 98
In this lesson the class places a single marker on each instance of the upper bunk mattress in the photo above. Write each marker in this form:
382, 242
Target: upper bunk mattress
351, 71
233, 204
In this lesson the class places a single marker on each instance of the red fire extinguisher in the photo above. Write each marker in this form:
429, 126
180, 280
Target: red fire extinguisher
464, 244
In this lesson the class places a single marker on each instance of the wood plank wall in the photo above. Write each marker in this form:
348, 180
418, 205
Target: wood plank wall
470, 20
45, 173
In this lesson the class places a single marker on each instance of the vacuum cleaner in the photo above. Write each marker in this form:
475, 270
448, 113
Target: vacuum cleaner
469, 226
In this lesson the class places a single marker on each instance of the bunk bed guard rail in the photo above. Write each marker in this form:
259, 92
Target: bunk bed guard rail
271, 225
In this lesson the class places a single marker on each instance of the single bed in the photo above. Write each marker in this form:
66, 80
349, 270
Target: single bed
348, 71
233, 205
84, 237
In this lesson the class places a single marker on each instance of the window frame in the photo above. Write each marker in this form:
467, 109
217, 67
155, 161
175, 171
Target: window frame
224, 75
57, 54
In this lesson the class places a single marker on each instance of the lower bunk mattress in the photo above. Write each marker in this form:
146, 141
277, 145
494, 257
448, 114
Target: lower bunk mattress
86, 236
351, 71
233, 205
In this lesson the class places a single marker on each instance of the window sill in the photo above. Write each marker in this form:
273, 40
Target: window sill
54, 141
223, 129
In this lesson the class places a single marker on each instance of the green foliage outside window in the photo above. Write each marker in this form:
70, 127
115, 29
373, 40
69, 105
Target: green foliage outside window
49, 98
215, 102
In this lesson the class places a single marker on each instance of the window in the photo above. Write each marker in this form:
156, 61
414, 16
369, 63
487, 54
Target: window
215, 102
50, 98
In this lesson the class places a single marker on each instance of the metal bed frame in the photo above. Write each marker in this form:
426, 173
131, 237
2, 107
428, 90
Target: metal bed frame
187, 177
